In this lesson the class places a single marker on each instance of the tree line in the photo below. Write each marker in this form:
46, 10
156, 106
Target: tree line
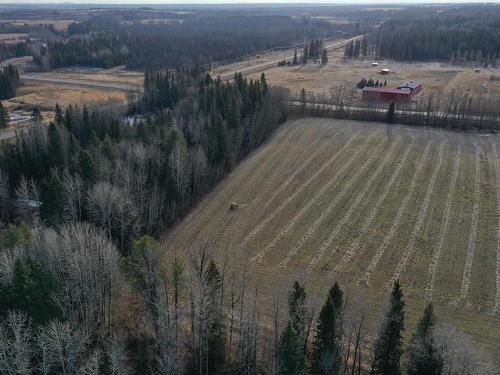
70, 303
456, 111
9, 82
459, 35
198, 41
89, 166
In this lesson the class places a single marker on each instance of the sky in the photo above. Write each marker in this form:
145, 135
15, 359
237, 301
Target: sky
238, 1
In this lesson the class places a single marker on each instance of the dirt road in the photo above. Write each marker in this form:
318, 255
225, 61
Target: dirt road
41, 77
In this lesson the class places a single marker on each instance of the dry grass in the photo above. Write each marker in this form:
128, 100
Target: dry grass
13, 38
258, 178
437, 78
114, 75
45, 97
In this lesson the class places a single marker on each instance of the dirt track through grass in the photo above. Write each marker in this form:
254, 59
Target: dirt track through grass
431, 274
397, 220
370, 200
471, 246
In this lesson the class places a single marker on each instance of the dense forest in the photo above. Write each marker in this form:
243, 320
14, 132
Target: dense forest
9, 82
203, 41
132, 181
459, 35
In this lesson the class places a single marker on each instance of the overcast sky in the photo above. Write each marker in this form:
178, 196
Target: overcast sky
237, 1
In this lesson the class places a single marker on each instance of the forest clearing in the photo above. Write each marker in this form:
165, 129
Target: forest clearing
364, 204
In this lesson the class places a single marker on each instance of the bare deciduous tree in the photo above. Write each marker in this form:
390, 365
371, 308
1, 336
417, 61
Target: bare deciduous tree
15, 345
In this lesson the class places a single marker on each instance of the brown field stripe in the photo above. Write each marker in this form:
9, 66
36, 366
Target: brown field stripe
254, 161
259, 227
326, 244
471, 245
299, 170
496, 309
397, 220
353, 248
407, 254
312, 201
436, 254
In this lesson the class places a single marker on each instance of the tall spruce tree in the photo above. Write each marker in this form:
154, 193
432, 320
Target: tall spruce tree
326, 352
291, 358
30, 290
52, 199
58, 115
389, 345
324, 57
4, 116
216, 341
295, 61
391, 113
299, 313
36, 115
423, 356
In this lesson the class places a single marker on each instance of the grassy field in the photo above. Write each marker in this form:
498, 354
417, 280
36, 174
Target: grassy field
439, 79
364, 204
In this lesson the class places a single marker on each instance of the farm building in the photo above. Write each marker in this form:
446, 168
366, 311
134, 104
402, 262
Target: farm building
414, 86
403, 93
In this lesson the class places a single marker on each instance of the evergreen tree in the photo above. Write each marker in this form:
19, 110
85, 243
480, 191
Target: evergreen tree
52, 199
216, 341
4, 116
326, 352
58, 115
391, 112
299, 314
31, 290
88, 167
56, 155
324, 57
424, 357
389, 345
295, 61
305, 55
36, 116
291, 359
221, 155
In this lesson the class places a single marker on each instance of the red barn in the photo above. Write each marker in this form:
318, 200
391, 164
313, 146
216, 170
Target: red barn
403, 93
386, 94
414, 86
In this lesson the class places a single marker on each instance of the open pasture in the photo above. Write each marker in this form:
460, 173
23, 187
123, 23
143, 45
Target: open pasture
365, 204
439, 79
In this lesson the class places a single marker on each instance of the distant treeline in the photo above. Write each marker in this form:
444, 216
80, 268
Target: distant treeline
9, 82
470, 34
208, 40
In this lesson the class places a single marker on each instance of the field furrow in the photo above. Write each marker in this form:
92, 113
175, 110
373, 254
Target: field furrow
316, 197
353, 248
306, 164
319, 221
327, 243
420, 220
471, 245
395, 224
259, 227
436, 254
496, 309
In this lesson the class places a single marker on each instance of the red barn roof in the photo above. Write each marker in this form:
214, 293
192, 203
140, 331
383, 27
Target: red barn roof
385, 90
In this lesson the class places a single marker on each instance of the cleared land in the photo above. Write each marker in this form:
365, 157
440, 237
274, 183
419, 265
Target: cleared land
57, 24
438, 78
331, 199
